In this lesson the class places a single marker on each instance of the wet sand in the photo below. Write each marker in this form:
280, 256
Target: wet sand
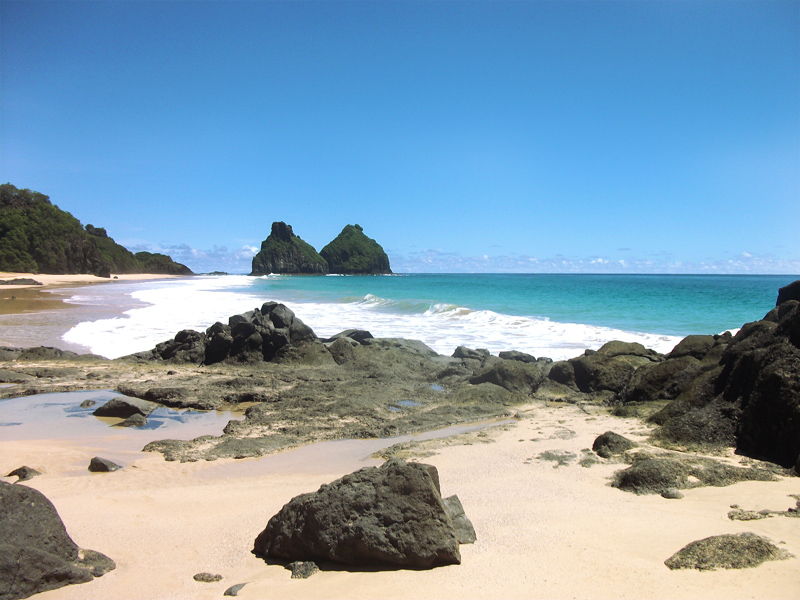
544, 530
32, 315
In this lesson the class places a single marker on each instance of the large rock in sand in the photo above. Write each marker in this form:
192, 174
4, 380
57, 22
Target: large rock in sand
391, 515
36, 553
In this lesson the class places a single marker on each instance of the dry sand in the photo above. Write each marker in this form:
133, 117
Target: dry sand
544, 531
65, 280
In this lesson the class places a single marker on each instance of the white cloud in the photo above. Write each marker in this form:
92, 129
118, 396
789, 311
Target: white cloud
218, 258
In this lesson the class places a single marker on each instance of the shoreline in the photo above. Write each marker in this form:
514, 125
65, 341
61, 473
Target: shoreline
38, 315
25, 298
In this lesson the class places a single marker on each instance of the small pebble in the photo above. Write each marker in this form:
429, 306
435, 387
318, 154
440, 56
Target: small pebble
671, 494
207, 577
24, 473
102, 465
234, 589
302, 569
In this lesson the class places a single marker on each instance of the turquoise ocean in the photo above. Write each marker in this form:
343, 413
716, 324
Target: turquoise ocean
553, 315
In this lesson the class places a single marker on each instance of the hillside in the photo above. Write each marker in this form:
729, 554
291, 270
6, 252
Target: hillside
38, 237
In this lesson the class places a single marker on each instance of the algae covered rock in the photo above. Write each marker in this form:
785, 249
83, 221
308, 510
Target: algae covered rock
353, 253
740, 551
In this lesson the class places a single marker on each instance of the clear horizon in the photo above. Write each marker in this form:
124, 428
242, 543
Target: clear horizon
620, 137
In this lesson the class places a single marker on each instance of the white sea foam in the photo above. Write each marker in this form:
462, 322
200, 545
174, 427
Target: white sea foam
197, 303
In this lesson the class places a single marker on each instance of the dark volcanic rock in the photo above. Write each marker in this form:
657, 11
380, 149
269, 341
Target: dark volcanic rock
136, 420
611, 367
359, 335
611, 443
750, 398
234, 589
102, 465
123, 408
36, 553
512, 375
730, 551
254, 336
23, 474
284, 252
342, 350
302, 569
516, 355
391, 516
353, 253
789, 292
468, 353
465, 532
656, 475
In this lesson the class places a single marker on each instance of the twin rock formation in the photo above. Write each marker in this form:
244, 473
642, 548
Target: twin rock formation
351, 253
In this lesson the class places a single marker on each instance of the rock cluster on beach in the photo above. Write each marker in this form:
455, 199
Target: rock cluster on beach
350, 253
711, 391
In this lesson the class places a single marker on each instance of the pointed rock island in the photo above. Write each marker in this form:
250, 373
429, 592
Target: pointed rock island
285, 253
351, 253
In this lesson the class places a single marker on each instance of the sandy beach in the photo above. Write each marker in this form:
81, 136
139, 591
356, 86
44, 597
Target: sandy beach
32, 315
23, 298
544, 530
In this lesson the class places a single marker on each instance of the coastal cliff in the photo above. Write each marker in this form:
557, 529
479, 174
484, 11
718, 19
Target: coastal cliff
38, 237
353, 253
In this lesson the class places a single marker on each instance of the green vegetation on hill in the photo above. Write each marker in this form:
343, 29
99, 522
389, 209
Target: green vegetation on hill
353, 253
38, 237
153, 262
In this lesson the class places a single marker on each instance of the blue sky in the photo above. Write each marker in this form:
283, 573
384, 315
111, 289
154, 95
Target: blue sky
536, 136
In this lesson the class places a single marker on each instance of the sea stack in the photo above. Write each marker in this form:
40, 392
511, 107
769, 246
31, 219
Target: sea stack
353, 253
285, 253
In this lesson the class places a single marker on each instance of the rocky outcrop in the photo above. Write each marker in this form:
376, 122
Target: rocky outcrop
789, 292
285, 253
353, 253
36, 553
253, 336
750, 398
608, 369
391, 515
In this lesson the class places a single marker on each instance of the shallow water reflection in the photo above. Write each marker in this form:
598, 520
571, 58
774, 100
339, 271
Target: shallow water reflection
61, 416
